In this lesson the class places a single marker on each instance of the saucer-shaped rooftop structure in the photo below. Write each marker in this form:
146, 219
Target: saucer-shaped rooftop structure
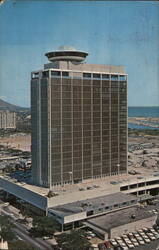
66, 53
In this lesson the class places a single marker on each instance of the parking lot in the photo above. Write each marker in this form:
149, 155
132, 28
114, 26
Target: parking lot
153, 246
146, 238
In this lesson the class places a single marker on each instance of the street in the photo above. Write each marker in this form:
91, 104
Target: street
22, 231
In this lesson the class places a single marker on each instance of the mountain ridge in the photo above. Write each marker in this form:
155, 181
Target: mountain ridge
11, 107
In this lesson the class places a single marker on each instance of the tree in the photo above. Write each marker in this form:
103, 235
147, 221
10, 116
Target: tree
26, 210
6, 226
74, 240
51, 194
44, 226
21, 245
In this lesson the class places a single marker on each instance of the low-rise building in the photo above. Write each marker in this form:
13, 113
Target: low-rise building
124, 221
7, 119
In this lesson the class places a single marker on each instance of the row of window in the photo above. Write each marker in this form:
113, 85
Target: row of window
85, 75
142, 184
87, 89
108, 208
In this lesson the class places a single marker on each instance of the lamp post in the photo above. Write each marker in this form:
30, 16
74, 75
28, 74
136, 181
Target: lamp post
118, 166
70, 173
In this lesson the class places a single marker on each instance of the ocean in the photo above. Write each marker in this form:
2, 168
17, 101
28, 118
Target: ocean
142, 112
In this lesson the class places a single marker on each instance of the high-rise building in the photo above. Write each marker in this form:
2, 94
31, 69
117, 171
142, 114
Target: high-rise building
79, 120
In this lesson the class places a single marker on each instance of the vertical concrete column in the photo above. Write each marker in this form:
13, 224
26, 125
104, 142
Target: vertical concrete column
92, 127
118, 126
50, 130
82, 121
72, 125
61, 130
110, 123
101, 128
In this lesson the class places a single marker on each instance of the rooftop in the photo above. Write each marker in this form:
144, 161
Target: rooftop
106, 185
94, 203
124, 216
66, 53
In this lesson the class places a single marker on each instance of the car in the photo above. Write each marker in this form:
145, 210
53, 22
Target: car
136, 234
6, 204
124, 248
147, 240
145, 237
145, 229
156, 235
141, 242
118, 238
122, 244
118, 248
139, 238
130, 234
136, 244
19, 238
125, 238
152, 237
130, 245
90, 233
140, 231
152, 231
46, 237
114, 243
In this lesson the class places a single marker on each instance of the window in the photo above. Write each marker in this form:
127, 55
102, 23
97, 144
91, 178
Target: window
124, 204
86, 75
106, 76
35, 75
100, 209
114, 77
96, 76
133, 202
89, 213
142, 184
45, 74
122, 78
116, 206
106, 208
133, 186
124, 188
64, 73
55, 73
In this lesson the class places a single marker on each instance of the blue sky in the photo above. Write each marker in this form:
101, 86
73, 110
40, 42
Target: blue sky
114, 33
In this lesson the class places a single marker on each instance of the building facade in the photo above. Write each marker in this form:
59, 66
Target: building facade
7, 119
79, 120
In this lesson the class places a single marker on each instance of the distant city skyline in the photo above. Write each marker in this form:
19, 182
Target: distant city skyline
113, 33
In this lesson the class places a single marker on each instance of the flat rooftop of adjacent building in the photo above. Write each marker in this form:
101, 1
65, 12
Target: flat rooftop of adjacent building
124, 216
94, 203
